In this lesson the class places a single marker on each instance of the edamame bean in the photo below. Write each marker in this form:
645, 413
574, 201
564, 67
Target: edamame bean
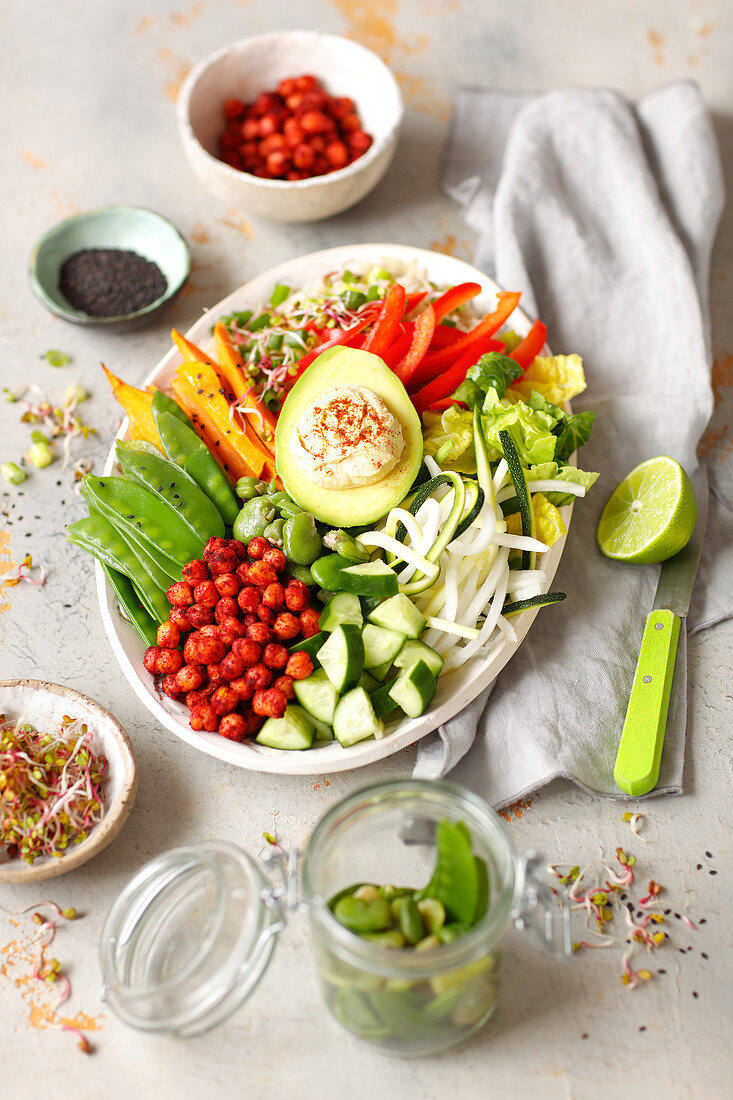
255, 516
301, 541
363, 916
409, 919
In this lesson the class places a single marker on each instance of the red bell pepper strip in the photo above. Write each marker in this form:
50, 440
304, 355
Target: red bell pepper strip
445, 335
450, 380
454, 298
437, 361
531, 345
421, 337
443, 404
412, 301
387, 324
401, 345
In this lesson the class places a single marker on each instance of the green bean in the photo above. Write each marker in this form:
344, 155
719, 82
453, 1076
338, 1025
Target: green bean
363, 916
176, 488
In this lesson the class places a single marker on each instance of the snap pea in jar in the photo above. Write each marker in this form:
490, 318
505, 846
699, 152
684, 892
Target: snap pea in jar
409, 888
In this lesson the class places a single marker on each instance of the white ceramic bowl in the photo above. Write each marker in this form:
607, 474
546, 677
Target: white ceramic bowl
44, 704
257, 64
455, 690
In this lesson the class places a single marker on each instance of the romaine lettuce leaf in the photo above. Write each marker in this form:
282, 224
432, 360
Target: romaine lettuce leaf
531, 430
551, 471
558, 378
456, 425
572, 430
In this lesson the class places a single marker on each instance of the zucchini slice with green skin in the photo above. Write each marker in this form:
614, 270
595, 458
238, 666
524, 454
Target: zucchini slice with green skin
399, 613
446, 534
372, 578
317, 695
342, 608
520, 488
414, 688
354, 719
475, 505
293, 731
518, 606
342, 657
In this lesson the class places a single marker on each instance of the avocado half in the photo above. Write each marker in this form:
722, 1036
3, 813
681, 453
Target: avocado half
364, 503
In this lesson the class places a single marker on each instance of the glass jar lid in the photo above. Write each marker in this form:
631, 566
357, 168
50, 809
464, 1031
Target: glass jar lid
188, 939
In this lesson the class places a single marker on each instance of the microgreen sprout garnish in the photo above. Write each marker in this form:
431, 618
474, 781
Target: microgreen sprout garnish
56, 358
50, 785
270, 839
635, 821
602, 891
38, 918
22, 573
59, 421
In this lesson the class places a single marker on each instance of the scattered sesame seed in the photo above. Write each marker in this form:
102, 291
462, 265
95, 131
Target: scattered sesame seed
584, 1035
661, 972
702, 921
699, 867
642, 1028
703, 954
709, 855
712, 872
695, 994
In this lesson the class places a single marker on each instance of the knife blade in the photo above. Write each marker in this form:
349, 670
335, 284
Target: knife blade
640, 749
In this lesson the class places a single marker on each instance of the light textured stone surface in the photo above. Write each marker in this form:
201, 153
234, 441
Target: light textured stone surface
89, 120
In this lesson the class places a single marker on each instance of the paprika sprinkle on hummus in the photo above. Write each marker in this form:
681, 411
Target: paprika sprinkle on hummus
348, 437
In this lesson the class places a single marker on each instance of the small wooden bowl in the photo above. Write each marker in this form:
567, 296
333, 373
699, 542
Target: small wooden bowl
41, 703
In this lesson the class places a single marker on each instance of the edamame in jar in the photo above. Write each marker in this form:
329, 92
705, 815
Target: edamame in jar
409, 887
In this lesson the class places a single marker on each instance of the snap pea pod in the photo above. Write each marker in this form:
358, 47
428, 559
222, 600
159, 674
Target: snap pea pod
163, 403
102, 540
162, 570
153, 522
183, 446
130, 603
167, 481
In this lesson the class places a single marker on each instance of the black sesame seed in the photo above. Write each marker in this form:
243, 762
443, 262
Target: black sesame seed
712, 872
709, 855
677, 916
702, 921
667, 912
703, 954
661, 972
642, 1028
695, 994
584, 1035
699, 867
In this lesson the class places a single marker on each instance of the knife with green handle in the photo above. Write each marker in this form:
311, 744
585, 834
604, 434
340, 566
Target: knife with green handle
640, 750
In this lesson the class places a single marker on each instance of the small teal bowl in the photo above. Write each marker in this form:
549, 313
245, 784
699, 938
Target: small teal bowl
125, 227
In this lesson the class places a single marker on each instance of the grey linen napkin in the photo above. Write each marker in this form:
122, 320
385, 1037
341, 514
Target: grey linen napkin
603, 214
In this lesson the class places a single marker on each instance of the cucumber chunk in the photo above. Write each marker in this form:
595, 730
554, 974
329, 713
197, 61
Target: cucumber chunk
367, 681
414, 688
380, 671
399, 613
342, 657
317, 695
372, 578
309, 645
341, 609
323, 730
382, 701
293, 731
413, 651
355, 719
380, 645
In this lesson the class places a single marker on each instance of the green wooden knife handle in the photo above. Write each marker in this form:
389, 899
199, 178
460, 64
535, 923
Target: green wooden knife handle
640, 750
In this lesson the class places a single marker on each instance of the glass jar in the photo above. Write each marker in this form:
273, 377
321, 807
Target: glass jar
188, 939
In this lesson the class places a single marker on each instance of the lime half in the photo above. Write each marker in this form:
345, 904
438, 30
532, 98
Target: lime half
650, 515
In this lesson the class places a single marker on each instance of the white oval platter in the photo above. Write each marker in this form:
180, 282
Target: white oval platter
455, 690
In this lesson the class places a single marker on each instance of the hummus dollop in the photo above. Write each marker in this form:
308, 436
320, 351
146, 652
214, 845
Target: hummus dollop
348, 437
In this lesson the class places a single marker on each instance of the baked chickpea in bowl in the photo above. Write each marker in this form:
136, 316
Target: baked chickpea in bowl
294, 126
